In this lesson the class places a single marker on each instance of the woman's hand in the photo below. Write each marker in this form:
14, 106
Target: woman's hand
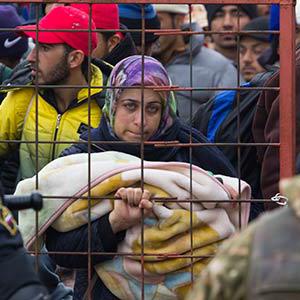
128, 211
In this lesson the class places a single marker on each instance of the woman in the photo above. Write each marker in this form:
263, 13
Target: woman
122, 122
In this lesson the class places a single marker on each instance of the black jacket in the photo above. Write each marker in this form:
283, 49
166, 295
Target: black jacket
218, 120
124, 49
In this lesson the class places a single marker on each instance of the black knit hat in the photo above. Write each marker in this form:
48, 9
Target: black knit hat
260, 23
212, 9
131, 16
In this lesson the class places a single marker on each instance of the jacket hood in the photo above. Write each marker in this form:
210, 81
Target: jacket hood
96, 82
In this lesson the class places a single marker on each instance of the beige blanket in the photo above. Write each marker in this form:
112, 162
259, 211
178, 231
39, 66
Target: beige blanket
168, 241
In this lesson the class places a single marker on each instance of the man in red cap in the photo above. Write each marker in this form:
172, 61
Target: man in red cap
60, 57
113, 45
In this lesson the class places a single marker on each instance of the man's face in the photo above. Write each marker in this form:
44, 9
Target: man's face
49, 64
102, 47
250, 50
227, 19
165, 41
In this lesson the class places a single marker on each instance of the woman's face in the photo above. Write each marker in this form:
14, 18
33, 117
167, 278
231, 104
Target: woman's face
128, 118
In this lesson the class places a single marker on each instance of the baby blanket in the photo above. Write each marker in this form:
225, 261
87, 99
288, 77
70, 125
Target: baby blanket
171, 235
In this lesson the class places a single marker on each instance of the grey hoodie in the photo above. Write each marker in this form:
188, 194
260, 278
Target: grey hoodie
209, 69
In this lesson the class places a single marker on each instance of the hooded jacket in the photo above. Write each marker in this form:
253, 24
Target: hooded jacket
18, 122
210, 69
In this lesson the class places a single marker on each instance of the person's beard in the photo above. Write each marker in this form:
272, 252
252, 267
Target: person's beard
59, 73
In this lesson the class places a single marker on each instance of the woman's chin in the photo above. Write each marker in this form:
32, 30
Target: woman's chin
134, 137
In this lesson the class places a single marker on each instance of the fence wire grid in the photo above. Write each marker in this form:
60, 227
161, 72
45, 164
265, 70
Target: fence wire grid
286, 145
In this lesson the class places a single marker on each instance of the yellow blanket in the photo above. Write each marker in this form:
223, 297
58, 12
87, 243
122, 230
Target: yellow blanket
168, 241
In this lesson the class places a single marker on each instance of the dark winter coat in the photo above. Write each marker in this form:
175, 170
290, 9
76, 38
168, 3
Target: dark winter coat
266, 130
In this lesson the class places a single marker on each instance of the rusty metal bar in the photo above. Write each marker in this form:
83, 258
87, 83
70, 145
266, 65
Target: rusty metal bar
90, 266
232, 2
155, 143
287, 90
166, 88
143, 39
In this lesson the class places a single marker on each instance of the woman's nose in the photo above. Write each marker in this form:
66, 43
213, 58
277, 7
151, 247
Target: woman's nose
138, 118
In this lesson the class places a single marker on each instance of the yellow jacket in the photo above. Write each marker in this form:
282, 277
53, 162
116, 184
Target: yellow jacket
18, 122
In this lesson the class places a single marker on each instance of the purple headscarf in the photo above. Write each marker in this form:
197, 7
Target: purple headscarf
128, 73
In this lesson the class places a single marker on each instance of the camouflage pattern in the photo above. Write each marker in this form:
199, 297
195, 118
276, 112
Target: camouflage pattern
226, 277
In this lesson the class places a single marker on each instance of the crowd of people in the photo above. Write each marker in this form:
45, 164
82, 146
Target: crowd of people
90, 78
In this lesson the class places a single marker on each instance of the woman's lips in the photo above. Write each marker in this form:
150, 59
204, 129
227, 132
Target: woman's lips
137, 134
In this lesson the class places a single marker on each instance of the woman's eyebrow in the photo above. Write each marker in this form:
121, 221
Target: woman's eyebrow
137, 101
154, 101
129, 99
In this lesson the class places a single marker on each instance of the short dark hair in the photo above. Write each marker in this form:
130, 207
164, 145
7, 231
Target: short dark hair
107, 34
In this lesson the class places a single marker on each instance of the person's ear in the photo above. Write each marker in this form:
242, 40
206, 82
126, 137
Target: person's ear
113, 41
75, 58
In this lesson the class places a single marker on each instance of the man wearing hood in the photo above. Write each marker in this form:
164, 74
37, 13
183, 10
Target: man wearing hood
209, 68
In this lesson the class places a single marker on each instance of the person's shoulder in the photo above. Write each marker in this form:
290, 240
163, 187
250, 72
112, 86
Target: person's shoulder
102, 66
18, 99
215, 57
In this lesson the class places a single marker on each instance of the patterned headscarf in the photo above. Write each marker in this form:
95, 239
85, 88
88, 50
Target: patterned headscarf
128, 73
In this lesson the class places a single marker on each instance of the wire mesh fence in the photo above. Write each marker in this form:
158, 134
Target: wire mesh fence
66, 97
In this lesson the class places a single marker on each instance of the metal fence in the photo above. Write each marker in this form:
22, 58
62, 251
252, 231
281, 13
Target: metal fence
287, 118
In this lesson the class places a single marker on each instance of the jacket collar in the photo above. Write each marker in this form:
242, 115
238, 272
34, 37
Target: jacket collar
124, 49
96, 84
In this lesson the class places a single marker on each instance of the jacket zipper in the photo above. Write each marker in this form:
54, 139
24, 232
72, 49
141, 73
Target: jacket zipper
58, 119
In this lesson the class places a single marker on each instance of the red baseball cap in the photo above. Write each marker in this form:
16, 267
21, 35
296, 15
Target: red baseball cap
64, 18
105, 16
